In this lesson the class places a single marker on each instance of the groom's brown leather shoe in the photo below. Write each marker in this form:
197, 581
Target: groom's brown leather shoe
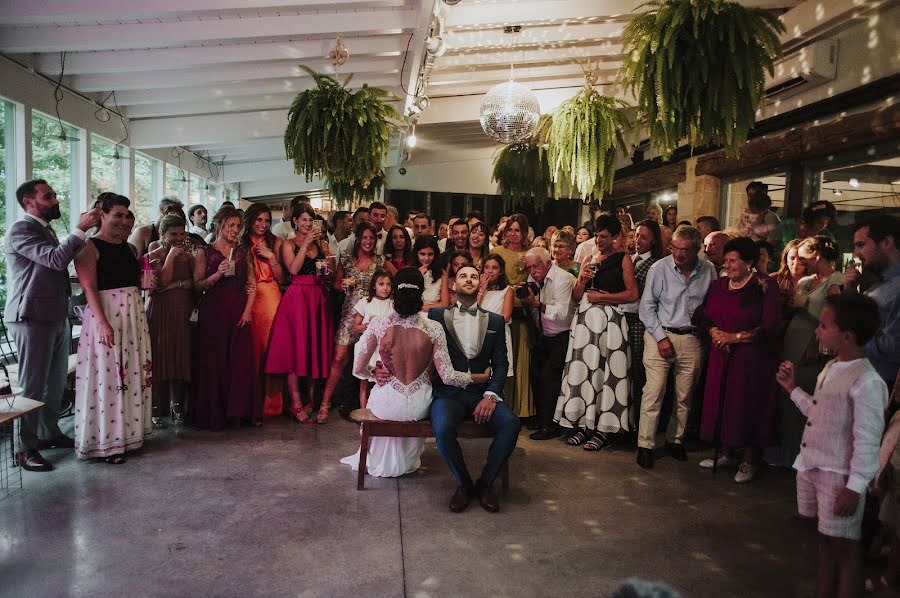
33, 461
460, 499
487, 497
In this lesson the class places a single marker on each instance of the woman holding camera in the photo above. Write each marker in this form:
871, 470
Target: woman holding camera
598, 345
223, 355
303, 329
168, 313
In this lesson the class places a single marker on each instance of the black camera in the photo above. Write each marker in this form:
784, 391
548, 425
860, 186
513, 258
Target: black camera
522, 291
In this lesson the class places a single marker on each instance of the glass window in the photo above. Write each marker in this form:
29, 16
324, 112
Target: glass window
144, 192
232, 196
198, 190
107, 166
176, 182
858, 190
735, 196
214, 197
55, 158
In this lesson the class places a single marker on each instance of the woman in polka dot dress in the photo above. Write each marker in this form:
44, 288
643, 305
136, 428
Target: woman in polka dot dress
595, 395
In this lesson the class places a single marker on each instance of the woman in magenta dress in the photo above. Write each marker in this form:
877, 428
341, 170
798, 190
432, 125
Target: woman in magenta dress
397, 249
301, 342
223, 352
741, 314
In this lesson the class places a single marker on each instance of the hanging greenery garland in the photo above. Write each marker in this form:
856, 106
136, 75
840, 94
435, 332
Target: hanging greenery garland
698, 69
522, 172
343, 192
582, 141
340, 135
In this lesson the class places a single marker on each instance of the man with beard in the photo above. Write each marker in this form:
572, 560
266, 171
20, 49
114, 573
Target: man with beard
875, 246
36, 313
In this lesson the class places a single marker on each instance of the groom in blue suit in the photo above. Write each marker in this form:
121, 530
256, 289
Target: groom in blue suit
476, 341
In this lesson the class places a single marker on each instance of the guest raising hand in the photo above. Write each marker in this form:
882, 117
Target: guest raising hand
303, 328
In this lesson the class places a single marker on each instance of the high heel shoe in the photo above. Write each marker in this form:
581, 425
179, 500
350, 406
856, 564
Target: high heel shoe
322, 415
300, 415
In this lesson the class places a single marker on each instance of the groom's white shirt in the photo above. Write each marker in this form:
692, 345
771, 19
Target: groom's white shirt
466, 328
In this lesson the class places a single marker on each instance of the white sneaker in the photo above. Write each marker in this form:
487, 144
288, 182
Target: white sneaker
745, 473
722, 461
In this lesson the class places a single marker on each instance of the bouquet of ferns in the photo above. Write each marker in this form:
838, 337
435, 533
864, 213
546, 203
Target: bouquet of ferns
698, 70
340, 135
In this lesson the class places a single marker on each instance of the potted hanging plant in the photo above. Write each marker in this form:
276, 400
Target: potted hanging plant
582, 141
341, 135
697, 68
522, 172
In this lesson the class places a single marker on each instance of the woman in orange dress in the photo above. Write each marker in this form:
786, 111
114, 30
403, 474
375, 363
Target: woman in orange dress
264, 248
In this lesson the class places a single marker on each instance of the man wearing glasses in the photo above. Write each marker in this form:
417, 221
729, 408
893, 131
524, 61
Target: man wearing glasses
676, 285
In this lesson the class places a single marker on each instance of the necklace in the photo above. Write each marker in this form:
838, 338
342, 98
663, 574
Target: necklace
736, 287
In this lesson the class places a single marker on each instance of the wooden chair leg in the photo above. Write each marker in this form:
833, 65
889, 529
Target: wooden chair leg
504, 477
363, 452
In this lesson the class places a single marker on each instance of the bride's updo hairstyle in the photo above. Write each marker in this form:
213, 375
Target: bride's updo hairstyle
408, 286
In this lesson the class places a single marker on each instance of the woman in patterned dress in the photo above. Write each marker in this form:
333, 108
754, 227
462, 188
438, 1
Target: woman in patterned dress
595, 393
113, 395
354, 272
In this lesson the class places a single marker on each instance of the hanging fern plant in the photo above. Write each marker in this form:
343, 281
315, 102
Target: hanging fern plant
582, 140
340, 135
698, 69
522, 171
343, 192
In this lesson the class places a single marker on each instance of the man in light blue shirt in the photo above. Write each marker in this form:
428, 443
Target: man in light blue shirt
875, 246
676, 286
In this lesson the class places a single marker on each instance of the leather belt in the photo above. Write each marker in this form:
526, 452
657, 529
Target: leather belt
688, 330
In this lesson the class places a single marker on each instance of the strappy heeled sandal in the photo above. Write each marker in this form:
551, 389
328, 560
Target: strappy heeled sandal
578, 438
597, 443
322, 415
300, 415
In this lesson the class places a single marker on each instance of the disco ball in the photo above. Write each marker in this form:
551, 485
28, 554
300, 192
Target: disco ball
509, 112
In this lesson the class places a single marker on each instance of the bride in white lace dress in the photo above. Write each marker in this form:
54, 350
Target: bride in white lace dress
408, 343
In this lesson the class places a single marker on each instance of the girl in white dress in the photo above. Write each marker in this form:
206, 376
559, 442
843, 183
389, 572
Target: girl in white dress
436, 292
496, 295
409, 343
378, 303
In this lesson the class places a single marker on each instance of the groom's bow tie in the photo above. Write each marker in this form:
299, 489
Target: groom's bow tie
472, 311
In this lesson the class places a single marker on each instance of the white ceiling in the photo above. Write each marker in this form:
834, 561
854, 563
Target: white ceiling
217, 76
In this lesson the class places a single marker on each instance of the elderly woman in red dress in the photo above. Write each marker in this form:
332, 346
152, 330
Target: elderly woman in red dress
741, 315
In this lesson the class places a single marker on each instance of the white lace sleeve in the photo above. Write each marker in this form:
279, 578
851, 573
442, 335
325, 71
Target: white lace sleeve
442, 362
366, 346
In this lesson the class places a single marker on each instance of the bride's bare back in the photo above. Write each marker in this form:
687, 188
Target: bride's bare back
406, 352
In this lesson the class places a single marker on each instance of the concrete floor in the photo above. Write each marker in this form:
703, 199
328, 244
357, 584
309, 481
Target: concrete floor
272, 512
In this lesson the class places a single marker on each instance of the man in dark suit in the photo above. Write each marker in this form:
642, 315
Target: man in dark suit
476, 341
36, 313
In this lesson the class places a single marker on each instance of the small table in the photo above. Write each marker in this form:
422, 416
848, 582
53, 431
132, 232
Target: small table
12, 408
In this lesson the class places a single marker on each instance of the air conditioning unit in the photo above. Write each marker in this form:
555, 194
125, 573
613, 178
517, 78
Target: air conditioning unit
810, 66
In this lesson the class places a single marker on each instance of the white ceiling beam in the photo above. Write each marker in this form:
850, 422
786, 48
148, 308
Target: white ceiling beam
232, 90
601, 52
20, 12
257, 171
230, 73
411, 77
120, 61
524, 13
534, 36
157, 35
212, 106
564, 69
292, 185
200, 130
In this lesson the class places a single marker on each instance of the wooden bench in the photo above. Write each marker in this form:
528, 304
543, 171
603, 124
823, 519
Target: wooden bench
372, 426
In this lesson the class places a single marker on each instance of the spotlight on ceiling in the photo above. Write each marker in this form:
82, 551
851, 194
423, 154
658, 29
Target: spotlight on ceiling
422, 102
854, 182
435, 45
411, 139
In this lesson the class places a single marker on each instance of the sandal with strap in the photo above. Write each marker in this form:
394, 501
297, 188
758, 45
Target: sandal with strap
300, 415
578, 438
597, 443
322, 415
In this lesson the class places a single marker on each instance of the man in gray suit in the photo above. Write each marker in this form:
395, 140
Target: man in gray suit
36, 313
